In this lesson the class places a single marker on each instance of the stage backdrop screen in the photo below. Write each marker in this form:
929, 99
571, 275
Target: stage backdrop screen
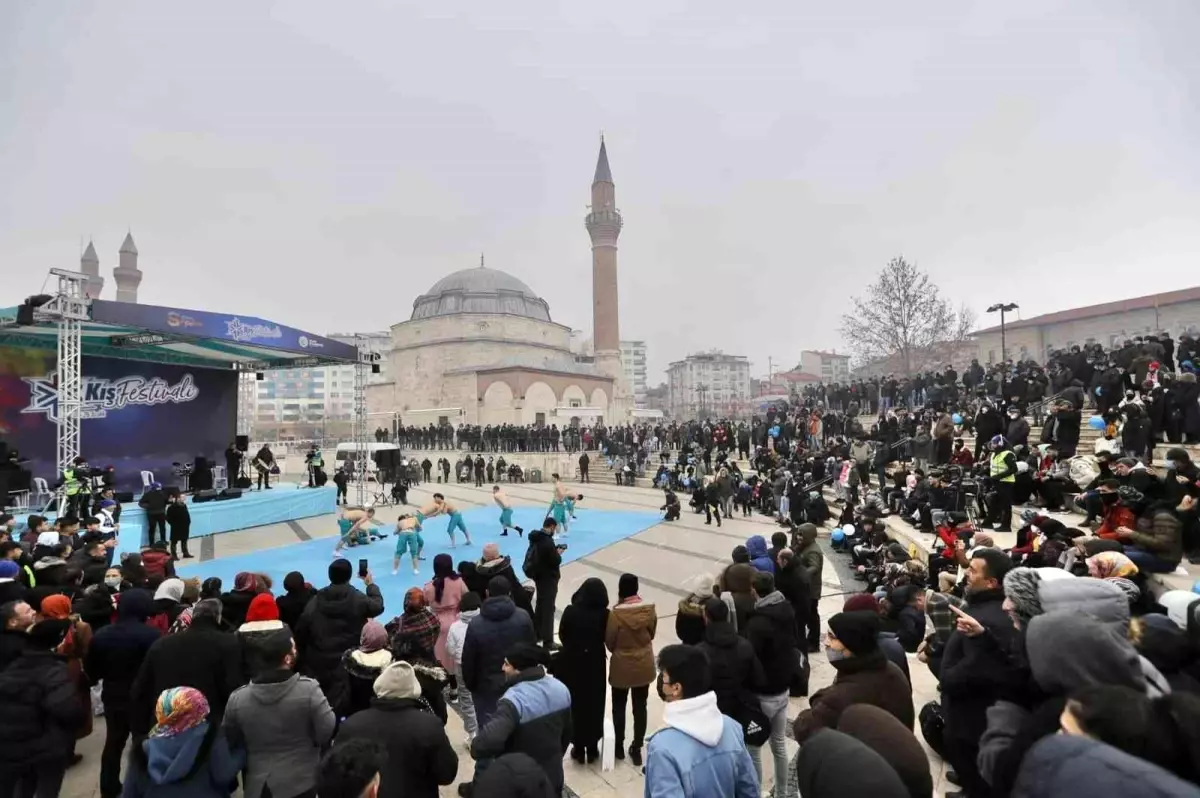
136, 416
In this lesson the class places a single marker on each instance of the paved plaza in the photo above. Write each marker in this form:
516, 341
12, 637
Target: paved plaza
664, 556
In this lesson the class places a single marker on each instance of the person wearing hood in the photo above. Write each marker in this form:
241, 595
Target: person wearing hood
792, 581
699, 752
282, 720
889, 643
420, 757
689, 619
168, 603
629, 636
187, 755
542, 564
833, 764
812, 560
493, 564
1065, 651
864, 676
888, 737
113, 661
202, 656
41, 715
735, 587
363, 665
582, 664
1066, 764
771, 630
980, 668
532, 717
297, 594
498, 626
332, 622
756, 547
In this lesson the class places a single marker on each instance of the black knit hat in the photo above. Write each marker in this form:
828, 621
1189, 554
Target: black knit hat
627, 586
857, 631
526, 655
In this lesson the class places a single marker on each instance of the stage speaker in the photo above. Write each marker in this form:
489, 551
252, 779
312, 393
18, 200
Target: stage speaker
230, 493
243, 482
243, 443
202, 476
122, 496
204, 496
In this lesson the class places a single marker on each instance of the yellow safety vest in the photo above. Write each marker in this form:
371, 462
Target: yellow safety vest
998, 467
70, 482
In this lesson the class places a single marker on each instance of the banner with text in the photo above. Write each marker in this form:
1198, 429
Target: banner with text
136, 416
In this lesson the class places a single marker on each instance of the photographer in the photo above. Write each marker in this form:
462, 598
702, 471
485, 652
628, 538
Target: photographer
76, 483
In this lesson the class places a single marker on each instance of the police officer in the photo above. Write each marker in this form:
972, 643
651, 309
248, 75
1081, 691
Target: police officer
76, 485
1003, 473
316, 466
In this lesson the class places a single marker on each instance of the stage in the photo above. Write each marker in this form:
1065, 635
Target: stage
285, 502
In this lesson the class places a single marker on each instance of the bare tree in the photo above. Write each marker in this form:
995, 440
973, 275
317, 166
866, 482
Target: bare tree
904, 318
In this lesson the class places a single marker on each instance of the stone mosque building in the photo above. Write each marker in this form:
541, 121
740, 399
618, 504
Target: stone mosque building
482, 348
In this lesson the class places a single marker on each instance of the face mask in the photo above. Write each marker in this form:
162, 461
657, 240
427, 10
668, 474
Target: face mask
113, 581
834, 654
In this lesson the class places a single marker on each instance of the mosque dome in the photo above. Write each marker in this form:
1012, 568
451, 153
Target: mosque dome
480, 290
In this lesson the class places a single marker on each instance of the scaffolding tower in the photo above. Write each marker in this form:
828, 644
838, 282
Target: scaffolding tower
363, 366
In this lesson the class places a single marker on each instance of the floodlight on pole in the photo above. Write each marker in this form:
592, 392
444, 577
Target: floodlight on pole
1003, 307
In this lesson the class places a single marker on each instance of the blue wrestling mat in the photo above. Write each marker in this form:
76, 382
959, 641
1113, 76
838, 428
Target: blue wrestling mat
592, 530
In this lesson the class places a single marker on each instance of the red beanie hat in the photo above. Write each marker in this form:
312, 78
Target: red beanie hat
856, 603
262, 608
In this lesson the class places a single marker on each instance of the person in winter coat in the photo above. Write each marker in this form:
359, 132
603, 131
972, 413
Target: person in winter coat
1064, 764
498, 626
113, 661
297, 594
629, 635
180, 521
1017, 431
889, 738
15, 619
514, 775
412, 636
420, 756
202, 656
187, 755
40, 715
812, 560
332, 622
835, 765
979, 670
443, 595
699, 752
234, 604
864, 676
468, 611
756, 547
283, 721
533, 716
581, 666
734, 669
493, 564
771, 630
689, 618
1066, 651
363, 665
907, 604
545, 557
792, 581
1156, 543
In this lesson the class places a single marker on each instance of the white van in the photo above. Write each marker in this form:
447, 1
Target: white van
345, 453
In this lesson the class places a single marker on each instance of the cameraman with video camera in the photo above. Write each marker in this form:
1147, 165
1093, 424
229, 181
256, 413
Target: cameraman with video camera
1002, 474
76, 483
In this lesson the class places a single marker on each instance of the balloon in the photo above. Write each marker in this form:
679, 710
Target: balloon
1099, 390
1096, 422
837, 536
956, 418
848, 529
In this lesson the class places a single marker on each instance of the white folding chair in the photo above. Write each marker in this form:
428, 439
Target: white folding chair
41, 491
147, 478
19, 499
220, 480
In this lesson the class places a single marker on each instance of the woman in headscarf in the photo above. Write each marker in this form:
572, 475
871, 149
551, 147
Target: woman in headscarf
581, 664
168, 603
412, 637
295, 598
689, 620
363, 666
185, 755
235, 603
1111, 564
74, 649
443, 594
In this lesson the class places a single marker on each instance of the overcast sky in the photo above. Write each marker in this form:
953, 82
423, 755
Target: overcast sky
322, 164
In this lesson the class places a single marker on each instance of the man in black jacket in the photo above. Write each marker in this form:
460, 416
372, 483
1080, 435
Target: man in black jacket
493, 564
979, 666
40, 715
113, 660
489, 635
771, 630
546, 558
332, 624
792, 581
15, 619
201, 656
736, 671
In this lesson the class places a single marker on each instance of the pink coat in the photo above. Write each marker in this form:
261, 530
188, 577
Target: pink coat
446, 611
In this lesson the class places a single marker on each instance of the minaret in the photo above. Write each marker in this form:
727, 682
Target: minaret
127, 275
89, 264
604, 226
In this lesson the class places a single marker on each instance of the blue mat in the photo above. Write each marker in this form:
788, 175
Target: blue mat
592, 530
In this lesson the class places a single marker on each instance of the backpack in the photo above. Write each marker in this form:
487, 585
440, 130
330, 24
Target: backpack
933, 727
529, 566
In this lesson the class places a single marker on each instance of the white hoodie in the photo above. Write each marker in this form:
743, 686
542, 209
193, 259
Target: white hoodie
457, 635
697, 717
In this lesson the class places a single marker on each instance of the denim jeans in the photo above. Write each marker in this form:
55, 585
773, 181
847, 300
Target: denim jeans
1148, 561
775, 707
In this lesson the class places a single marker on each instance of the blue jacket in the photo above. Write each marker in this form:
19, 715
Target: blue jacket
534, 718
700, 753
170, 769
756, 546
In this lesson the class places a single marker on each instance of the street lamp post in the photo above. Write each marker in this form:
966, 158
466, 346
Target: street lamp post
1003, 307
